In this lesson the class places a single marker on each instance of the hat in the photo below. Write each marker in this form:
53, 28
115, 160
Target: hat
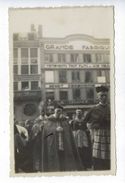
101, 88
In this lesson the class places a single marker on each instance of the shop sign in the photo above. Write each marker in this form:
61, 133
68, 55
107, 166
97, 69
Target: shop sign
53, 86
68, 85
76, 66
75, 47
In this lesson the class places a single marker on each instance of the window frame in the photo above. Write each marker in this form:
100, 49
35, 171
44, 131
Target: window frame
64, 75
27, 69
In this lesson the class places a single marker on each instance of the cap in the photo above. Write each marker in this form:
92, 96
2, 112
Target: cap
101, 88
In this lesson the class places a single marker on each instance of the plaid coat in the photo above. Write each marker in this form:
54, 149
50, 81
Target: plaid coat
98, 119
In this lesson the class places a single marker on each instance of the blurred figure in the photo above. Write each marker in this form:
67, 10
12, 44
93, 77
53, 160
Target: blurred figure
28, 126
37, 138
29, 147
20, 142
59, 152
98, 119
82, 138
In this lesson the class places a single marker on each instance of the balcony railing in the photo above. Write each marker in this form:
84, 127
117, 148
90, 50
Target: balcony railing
27, 95
74, 102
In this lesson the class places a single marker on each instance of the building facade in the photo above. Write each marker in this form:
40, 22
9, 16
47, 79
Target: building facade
64, 70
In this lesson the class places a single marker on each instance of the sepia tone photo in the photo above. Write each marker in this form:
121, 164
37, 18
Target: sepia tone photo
62, 90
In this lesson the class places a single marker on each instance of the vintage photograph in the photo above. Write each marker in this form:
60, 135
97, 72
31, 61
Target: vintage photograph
62, 89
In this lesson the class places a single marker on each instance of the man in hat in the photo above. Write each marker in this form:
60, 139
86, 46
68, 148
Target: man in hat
59, 152
98, 119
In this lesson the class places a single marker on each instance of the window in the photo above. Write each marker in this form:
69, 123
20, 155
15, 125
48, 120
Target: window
61, 58
76, 94
15, 37
107, 74
88, 76
98, 58
99, 73
34, 85
33, 60
25, 85
34, 69
63, 95
15, 85
74, 58
15, 55
101, 76
87, 58
90, 95
33, 52
106, 58
49, 57
15, 52
24, 55
24, 52
49, 76
24, 69
15, 69
75, 76
62, 76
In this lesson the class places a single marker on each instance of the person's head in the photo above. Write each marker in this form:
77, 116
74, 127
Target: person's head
102, 94
58, 111
28, 123
78, 112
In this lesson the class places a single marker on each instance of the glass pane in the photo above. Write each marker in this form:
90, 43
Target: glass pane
87, 58
33, 61
76, 94
24, 52
49, 76
34, 69
90, 93
98, 58
15, 85
61, 58
24, 61
63, 95
34, 85
62, 76
15, 60
88, 77
33, 52
15, 69
74, 58
25, 85
24, 69
15, 52
75, 76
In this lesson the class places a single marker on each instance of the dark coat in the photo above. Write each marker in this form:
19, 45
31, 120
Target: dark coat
52, 158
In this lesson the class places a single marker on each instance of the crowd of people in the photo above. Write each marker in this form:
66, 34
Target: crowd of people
57, 143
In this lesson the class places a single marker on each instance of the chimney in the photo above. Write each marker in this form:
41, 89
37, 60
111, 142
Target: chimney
40, 31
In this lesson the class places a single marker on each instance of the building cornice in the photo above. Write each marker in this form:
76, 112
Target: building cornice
74, 37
